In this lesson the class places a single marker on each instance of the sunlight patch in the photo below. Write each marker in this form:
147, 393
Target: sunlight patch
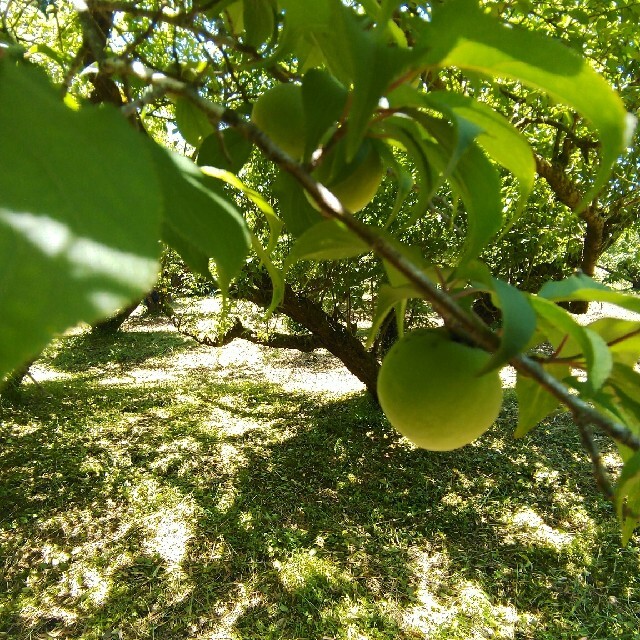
178, 452
229, 612
229, 424
430, 571
169, 532
226, 497
53, 555
468, 609
306, 570
152, 375
43, 374
88, 582
527, 527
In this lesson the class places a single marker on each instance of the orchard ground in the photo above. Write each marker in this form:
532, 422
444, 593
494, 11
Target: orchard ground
154, 488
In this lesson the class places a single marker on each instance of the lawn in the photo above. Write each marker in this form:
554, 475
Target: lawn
147, 492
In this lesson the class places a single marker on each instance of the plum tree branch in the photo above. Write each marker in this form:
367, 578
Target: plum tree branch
187, 20
305, 343
457, 320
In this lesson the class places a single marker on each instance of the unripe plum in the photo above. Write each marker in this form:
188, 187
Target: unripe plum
430, 390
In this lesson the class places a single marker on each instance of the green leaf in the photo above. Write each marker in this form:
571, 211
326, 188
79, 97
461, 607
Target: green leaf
461, 35
193, 124
275, 224
626, 379
518, 323
474, 177
581, 287
277, 279
409, 135
370, 64
399, 279
303, 22
258, 20
79, 219
354, 55
327, 240
497, 136
403, 178
204, 218
294, 208
623, 398
226, 149
388, 298
324, 100
559, 326
413, 253
47, 51
193, 257
627, 497
535, 403
622, 336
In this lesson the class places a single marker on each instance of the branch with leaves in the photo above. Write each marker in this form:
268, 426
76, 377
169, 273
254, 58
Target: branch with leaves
333, 134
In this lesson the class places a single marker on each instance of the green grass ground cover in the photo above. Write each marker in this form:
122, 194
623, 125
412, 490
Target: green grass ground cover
212, 506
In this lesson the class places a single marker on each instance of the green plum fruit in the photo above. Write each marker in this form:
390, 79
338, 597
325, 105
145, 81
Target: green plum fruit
430, 389
354, 183
279, 113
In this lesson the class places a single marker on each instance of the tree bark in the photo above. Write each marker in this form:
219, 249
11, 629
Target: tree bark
593, 216
109, 326
329, 333
11, 386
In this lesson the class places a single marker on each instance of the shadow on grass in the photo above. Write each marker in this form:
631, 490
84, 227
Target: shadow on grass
80, 352
213, 509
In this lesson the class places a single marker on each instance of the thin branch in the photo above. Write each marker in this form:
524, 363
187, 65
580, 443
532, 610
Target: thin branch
457, 320
305, 343
187, 21
581, 143
599, 472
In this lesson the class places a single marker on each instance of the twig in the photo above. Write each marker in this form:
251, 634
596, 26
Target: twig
599, 472
456, 319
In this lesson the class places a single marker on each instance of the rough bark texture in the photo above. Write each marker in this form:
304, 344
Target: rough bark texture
593, 216
329, 333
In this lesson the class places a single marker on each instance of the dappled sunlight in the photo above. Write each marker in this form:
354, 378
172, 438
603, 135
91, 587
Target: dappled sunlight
430, 571
135, 377
612, 460
142, 376
230, 460
176, 453
527, 527
88, 582
300, 571
508, 377
216, 505
230, 424
445, 603
38, 373
168, 532
245, 597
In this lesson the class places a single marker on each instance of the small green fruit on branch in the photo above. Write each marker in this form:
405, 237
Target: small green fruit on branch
458, 321
430, 390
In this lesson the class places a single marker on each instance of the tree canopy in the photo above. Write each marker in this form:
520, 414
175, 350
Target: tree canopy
439, 152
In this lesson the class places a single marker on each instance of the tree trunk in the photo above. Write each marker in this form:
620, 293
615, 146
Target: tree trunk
112, 324
330, 333
591, 251
10, 388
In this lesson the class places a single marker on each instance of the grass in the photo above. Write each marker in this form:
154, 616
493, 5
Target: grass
212, 507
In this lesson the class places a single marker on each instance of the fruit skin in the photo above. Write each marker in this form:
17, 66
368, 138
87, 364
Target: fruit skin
355, 183
279, 112
429, 389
